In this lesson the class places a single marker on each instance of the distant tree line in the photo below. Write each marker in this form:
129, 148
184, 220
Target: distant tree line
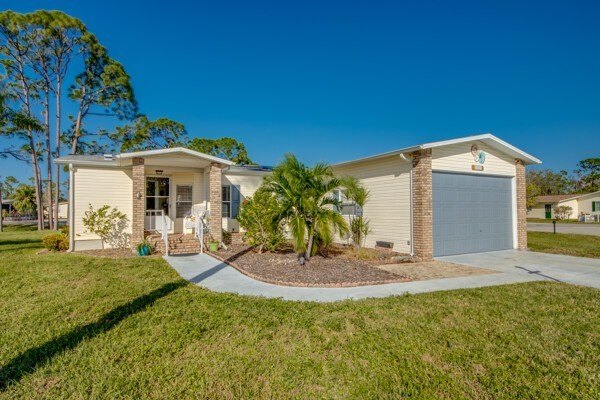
57, 77
584, 179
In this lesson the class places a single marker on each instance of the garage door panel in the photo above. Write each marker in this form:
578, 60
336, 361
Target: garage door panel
471, 213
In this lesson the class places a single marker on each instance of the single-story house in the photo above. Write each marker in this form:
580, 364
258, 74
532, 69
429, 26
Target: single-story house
456, 196
7, 205
63, 210
581, 205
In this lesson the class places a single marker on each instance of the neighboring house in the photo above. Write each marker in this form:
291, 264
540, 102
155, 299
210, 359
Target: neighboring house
63, 210
7, 205
581, 204
456, 196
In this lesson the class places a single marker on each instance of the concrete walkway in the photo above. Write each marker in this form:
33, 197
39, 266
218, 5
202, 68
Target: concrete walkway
579, 229
208, 272
552, 267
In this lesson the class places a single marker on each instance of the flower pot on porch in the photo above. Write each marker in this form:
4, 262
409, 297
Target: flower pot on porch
213, 246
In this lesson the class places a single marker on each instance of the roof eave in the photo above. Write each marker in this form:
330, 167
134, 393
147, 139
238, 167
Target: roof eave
148, 153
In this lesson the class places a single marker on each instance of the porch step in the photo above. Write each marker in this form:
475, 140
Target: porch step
178, 244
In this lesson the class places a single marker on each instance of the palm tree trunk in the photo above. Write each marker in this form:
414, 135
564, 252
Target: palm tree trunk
311, 234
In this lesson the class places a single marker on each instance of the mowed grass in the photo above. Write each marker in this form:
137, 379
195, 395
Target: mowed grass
564, 243
74, 326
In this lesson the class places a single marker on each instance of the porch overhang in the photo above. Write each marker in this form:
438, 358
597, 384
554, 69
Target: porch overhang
175, 157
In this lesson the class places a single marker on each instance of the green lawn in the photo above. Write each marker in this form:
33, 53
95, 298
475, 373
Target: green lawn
564, 243
80, 327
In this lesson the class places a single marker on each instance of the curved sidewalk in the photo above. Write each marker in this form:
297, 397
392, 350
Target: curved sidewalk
210, 273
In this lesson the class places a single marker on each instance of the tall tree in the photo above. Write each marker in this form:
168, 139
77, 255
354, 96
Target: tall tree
550, 182
144, 134
21, 89
103, 88
224, 147
57, 41
588, 171
38, 52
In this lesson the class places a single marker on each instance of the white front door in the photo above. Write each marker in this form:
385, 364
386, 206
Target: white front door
158, 201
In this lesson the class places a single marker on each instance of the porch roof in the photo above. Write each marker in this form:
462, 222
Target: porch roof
176, 157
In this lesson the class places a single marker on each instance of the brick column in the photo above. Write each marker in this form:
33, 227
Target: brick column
216, 224
521, 205
139, 202
422, 205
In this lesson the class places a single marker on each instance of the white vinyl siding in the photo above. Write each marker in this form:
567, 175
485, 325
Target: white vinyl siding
388, 208
585, 203
458, 158
98, 187
247, 184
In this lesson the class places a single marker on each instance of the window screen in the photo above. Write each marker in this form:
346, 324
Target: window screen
184, 200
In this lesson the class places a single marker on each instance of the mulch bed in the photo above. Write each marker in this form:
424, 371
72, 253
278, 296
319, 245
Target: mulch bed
108, 253
338, 268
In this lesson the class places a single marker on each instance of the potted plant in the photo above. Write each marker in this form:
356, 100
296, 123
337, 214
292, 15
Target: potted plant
213, 244
144, 248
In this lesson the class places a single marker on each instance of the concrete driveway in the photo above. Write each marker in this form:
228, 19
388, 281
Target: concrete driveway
581, 229
552, 267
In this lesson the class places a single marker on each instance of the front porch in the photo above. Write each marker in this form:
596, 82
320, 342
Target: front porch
171, 189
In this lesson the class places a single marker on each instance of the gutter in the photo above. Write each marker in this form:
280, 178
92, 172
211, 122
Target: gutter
71, 206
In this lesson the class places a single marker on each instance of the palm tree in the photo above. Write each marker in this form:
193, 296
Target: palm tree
359, 225
306, 204
25, 201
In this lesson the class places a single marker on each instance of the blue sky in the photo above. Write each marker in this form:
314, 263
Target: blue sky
331, 81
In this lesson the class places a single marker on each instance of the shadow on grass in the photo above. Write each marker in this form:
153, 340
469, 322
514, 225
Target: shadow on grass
30, 360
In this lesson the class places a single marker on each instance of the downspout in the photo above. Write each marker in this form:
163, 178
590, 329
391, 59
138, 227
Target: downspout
71, 206
402, 156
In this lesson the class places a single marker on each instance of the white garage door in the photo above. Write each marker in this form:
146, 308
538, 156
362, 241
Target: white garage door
471, 213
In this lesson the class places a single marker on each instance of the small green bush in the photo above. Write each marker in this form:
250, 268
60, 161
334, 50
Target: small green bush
258, 216
56, 242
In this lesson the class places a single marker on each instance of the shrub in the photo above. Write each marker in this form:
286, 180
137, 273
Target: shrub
562, 212
108, 223
56, 242
258, 216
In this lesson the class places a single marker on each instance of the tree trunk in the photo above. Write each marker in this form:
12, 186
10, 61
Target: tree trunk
57, 150
78, 122
311, 234
1, 211
38, 186
32, 149
48, 159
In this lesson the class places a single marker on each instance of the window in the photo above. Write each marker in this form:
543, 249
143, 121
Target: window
226, 201
183, 203
230, 201
346, 207
595, 206
157, 194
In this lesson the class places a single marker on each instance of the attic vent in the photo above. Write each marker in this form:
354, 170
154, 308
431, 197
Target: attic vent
108, 157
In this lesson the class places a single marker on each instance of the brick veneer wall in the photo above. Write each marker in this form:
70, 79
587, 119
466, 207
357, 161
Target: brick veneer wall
422, 205
139, 204
216, 224
521, 205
